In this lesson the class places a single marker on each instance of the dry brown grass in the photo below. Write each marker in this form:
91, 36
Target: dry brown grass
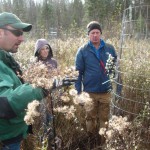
134, 70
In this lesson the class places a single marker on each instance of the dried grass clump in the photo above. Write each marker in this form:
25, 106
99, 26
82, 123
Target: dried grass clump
38, 75
124, 135
134, 78
135, 64
31, 112
131, 99
70, 117
65, 51
84, 100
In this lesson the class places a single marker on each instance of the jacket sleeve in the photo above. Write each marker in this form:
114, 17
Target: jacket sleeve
16, 100
79, 63
6, 112
15, 96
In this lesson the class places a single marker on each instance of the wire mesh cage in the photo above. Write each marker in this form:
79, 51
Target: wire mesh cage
136, 22
132, 84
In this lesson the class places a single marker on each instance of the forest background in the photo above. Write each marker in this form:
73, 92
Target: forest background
63, 18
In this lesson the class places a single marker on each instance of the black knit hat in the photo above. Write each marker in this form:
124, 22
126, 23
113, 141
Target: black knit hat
94, 25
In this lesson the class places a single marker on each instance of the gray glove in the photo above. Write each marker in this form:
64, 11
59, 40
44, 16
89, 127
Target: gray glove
64, 82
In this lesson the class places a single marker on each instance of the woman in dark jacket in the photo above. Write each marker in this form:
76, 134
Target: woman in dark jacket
44, 53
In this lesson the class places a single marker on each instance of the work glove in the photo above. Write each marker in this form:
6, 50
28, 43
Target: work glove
58, 83
68, 81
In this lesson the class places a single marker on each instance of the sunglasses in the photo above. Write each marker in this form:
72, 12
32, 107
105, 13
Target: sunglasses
14, 32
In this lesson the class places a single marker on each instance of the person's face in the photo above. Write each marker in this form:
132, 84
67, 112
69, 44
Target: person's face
44, 51
10, 38
94, 36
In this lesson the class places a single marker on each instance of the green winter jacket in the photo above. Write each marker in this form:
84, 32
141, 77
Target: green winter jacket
14, 98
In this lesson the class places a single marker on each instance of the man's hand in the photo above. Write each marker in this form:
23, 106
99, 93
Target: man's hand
58, 83
68, 81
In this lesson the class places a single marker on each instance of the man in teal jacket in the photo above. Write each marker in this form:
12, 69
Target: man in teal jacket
14, 94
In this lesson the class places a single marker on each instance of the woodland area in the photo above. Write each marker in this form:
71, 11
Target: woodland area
51, 17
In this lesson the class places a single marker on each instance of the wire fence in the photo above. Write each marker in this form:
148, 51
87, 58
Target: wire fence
131, 93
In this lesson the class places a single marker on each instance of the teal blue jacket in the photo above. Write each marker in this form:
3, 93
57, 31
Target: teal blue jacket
91, 65
14, 98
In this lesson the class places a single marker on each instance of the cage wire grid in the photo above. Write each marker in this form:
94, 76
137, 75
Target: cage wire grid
131, 92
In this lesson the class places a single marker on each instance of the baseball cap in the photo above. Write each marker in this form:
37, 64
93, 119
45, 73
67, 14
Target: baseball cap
7, 18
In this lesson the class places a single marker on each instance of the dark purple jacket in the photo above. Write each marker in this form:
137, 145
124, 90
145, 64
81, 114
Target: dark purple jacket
50, 61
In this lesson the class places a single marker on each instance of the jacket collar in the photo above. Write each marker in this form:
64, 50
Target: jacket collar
10, 62
101, 45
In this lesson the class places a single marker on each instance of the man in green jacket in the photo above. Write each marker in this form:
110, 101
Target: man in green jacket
14, 93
